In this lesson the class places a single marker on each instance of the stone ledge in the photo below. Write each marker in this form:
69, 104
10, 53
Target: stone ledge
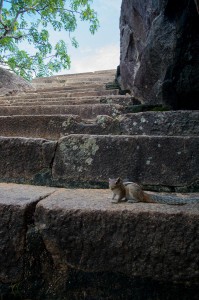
84, 110
17, 205
51, 236
82, 228
183, 123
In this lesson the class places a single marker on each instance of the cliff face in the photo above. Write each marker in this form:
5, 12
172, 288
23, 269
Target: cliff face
160, 51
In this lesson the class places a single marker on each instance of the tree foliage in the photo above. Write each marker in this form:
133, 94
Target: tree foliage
31, 21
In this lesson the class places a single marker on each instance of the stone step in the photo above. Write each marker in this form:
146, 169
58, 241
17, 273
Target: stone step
83, 77
51, 101
184, 123
84, 110
65, 82
70, 89
61, 94
89, 76
55, 224
86, 75
112, 99
157, 162
72, 86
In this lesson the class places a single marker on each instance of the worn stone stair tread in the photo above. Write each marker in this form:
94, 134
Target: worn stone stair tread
54, 126
71, 86
51, 102
85, 199
75, 86
56, 91
68, 94
84, 76
84, 110
44, 87
52, 97
65, 83
85, 219
78, 78
66, 101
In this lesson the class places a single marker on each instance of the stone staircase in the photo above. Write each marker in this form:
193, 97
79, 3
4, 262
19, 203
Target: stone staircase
76, 131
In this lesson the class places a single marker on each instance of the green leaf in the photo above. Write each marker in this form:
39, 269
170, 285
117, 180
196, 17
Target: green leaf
31, 21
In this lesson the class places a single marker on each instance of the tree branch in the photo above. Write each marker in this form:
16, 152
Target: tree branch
5, 35
1, 5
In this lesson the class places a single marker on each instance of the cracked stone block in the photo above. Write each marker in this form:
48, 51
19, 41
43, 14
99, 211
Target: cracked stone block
17, 205
82, 229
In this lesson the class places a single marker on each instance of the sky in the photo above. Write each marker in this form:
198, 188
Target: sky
100, 51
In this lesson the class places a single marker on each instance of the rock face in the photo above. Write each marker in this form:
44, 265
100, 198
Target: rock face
10, 83
160, 52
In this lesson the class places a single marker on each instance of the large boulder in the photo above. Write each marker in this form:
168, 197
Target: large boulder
159, 51
10, 83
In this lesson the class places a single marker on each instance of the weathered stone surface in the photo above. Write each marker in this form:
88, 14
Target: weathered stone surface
75, 79
48, 127
76, 243
84, 110
161, 123
83, 229
56, 126
61, 99
10, 83
197, 5
17, 204
26, 160
150, 160
159, 52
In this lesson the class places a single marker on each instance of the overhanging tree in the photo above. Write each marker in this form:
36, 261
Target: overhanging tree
31, 21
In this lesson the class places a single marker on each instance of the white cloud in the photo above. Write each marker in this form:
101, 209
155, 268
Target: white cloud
104, 58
